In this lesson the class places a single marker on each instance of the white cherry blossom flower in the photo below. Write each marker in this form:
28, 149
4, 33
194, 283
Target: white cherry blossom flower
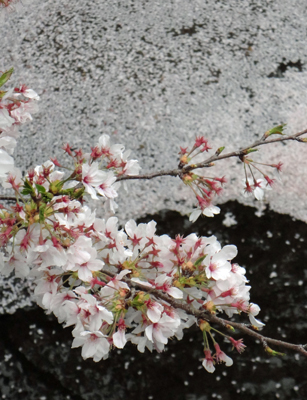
256, 187
163, 282
141, 342
114, 149
94, 345
85, 270
92, 177
208, 362
94, 313
81, 251
160, 331
218, 266
154, 310
220, 356
22, 114
107, 188
16, 262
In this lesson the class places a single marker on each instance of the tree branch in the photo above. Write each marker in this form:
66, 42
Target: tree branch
208, 162
300, 348
204, 164
7, 198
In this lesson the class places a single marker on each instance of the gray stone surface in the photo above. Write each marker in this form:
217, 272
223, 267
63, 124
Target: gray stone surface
153, 74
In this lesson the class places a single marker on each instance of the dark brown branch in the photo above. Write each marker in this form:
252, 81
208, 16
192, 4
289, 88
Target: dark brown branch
208, 162
213, 318
243, 151
7, 198
170, 172
264, 340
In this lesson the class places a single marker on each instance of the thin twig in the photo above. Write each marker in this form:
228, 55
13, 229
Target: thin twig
208, 162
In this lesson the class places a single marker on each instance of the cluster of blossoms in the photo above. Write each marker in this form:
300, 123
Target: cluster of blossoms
257, 186
16, 106
112, 285
204, 188
97, 171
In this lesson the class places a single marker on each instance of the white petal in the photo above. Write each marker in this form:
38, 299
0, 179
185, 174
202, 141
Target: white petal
194, 215
175, 292
130, 227
255, 322
154, 314
122, 274
229, 251
258, 193
228, 361
148, 332
6, 163
31, 94
119, 339
208, 366
143, 283
210, 211
84, 274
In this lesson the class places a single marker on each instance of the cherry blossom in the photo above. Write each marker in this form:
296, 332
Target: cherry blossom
257, 187
208, 362
163, 282
220, 356
94, 345
115, 285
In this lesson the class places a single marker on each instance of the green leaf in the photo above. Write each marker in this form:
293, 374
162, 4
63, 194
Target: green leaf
6, 76
277, 130
199, 260
27, 184
26, 192
219, 150
28, 189
250, 150
67, 192
40, 188
42, 213
47, 197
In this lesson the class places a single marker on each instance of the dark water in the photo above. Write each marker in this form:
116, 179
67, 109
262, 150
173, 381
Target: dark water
37, 362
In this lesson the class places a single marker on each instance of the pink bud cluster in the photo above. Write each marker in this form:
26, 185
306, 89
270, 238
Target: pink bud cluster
204, 188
